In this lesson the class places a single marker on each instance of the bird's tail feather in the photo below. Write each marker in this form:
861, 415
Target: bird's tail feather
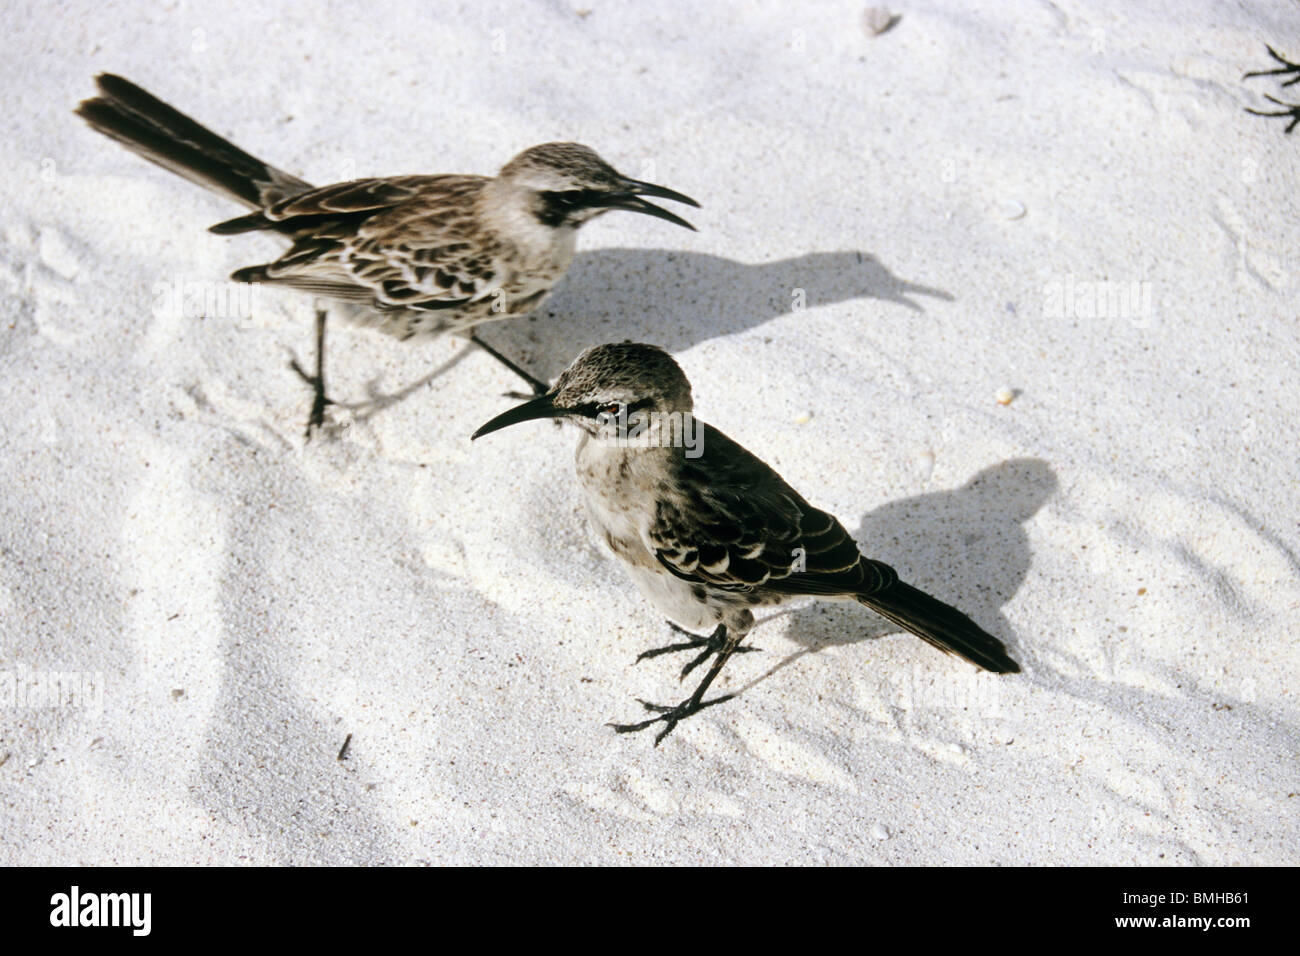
163, 135
941, 625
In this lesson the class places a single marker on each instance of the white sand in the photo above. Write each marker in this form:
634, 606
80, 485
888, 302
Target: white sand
1127, 523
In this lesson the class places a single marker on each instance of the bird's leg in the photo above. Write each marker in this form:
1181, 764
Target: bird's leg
1292, 110
317, 381
670, 716
1286, 67
713, 644
536, 384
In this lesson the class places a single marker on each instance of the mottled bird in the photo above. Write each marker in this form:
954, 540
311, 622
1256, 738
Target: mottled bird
412, 256
706, 529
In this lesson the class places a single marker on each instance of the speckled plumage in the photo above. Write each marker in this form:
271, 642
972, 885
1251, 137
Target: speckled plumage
414, 255
417, 250
711, 532
705, 538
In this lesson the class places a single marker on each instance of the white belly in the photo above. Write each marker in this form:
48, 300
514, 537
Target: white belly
620, 513
675, 599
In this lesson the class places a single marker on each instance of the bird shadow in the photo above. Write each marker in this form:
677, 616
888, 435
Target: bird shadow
677, 299
967, 547
377, 400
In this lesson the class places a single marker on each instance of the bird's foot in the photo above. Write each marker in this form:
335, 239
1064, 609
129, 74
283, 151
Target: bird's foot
540, 388
1291, 110
319, 399
1286, 68
668, 716
713, 644
536, 384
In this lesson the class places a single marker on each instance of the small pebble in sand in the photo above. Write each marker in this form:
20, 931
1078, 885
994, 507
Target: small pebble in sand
803, 418
1005, 396
1010, 209
879, 832
925, 464
876, 20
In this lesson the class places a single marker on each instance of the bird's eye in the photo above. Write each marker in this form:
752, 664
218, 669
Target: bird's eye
611, 410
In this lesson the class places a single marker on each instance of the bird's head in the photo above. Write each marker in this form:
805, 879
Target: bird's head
567, 184
609, 391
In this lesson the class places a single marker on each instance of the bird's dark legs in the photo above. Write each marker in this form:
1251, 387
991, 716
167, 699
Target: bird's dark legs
317, 381
713, 644
1292, 110
536, 384
1286, 67
670, 716
1288, 109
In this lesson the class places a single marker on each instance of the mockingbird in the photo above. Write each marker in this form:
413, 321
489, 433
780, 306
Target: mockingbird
412, 255
707, 530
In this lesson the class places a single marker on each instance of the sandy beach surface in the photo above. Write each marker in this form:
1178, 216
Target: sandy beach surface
1009, 288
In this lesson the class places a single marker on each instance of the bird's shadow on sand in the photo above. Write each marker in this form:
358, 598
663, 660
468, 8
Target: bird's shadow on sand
966, 546
677, 299
672, 299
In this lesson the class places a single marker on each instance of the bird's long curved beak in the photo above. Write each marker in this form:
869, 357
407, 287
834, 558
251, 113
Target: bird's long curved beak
540, 407
631, 200
660, 192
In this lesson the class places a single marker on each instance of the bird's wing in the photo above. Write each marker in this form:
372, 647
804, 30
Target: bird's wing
734, 524
398, 243
325, 208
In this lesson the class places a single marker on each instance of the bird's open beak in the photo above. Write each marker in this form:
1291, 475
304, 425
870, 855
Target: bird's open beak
631, 200
540, 407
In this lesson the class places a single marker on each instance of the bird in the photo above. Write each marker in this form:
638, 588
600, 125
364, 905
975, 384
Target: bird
706, 529
412, 256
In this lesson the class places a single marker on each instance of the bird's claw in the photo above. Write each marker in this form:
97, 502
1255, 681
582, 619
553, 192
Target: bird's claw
319, 399
539, 389
713, 644
668, 716
1291, 109
1286, 67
